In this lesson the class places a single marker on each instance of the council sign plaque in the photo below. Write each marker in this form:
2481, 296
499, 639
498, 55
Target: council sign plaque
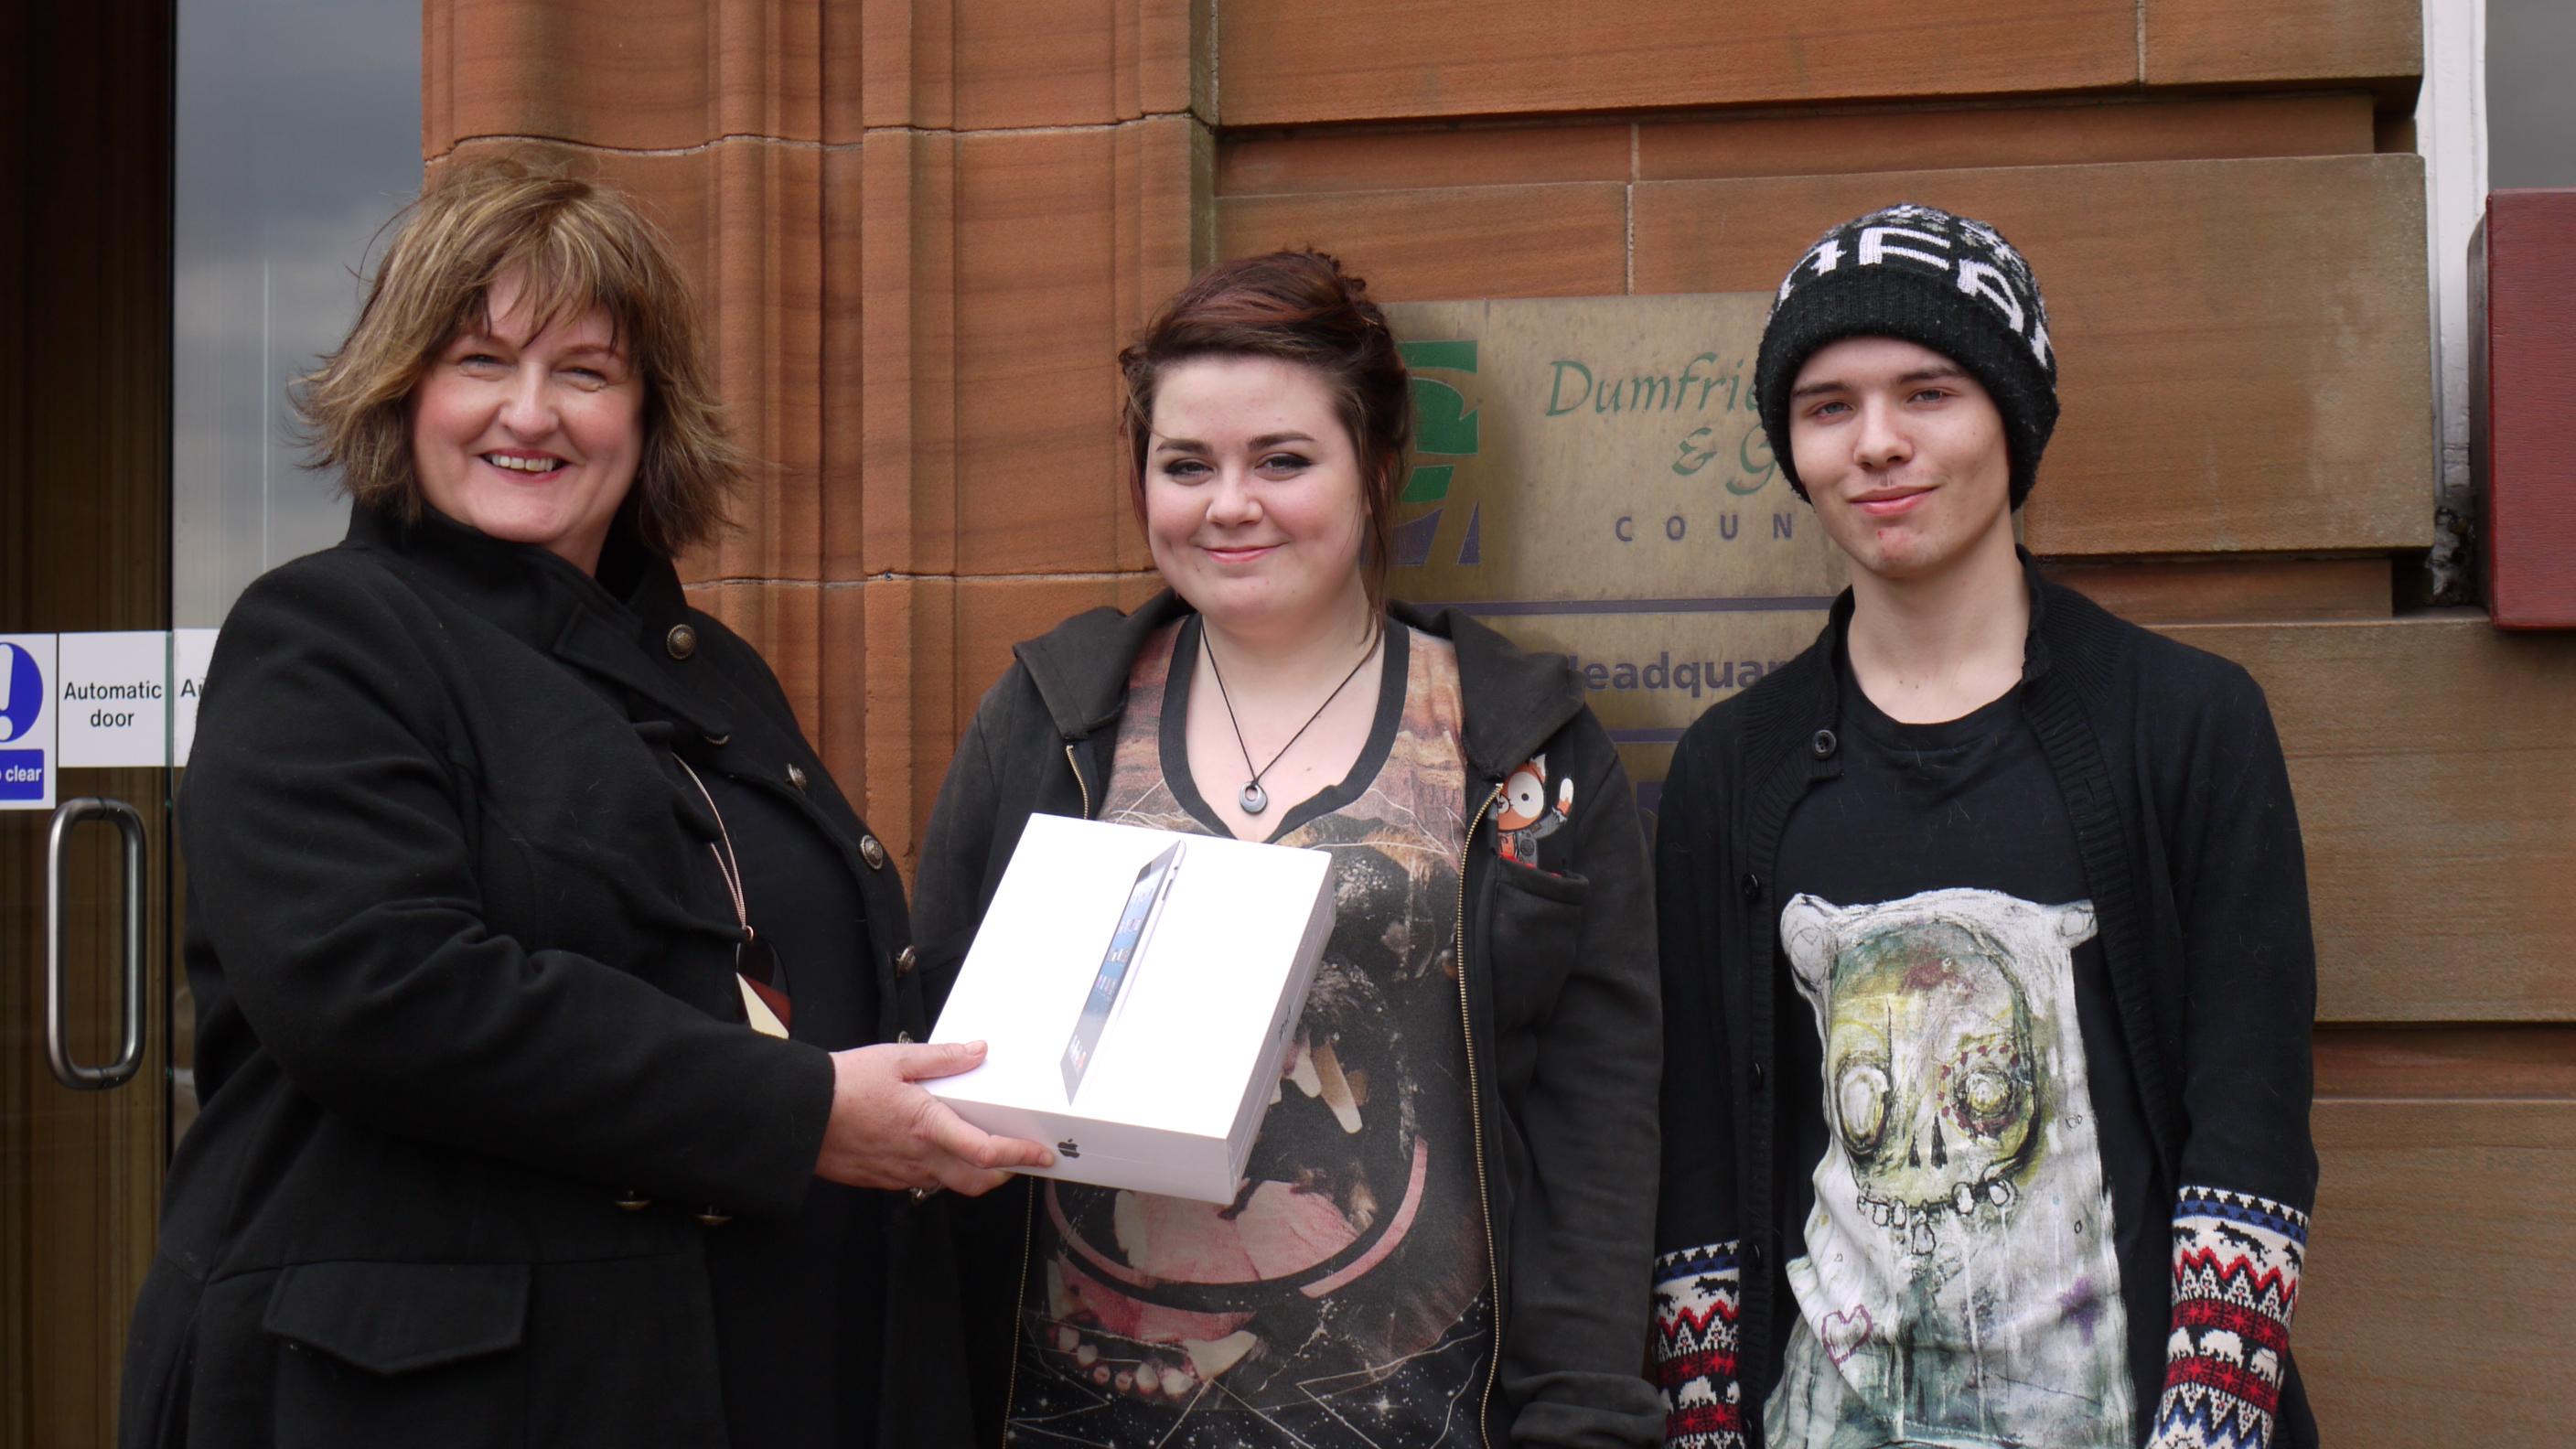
1589, 476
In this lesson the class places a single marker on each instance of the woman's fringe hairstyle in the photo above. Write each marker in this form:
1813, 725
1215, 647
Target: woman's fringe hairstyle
580, 245
1297, 307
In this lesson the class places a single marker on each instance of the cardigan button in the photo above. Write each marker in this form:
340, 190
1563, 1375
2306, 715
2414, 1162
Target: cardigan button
796, 777
713, 1218
1753, 1259
1751, 885
682, 641
1757, 1076
872, 851
1823, 744
904, 961
633, 1201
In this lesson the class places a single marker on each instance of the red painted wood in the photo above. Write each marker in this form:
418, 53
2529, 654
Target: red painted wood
2527, 406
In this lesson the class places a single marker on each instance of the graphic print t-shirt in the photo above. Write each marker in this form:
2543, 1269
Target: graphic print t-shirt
1341, 1298
1956, 1086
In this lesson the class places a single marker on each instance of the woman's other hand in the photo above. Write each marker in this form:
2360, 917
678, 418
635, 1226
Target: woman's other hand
886, 1132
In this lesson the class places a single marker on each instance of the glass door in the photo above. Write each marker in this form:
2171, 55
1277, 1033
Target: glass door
190, 193
84, 553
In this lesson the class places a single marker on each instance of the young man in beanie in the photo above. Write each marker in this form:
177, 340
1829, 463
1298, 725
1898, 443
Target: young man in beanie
1987, 972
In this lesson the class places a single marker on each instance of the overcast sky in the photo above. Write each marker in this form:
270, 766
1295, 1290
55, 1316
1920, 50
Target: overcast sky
2531, 93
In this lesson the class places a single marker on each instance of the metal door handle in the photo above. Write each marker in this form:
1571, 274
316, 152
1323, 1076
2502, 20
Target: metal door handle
129, 823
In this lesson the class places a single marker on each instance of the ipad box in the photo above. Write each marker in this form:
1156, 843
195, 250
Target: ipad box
1137, 990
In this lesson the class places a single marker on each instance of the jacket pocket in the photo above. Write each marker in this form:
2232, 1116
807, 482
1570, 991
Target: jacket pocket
1537, 928
400, 1354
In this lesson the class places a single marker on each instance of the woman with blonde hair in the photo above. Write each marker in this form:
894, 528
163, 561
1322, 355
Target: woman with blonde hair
540, 968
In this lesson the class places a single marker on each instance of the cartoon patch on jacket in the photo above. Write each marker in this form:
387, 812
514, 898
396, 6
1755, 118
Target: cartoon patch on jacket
1526, 818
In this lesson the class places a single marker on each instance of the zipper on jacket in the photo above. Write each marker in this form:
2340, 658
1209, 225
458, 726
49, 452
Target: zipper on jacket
1078, 782
1476, 1119
1019, 1298
1029, 1223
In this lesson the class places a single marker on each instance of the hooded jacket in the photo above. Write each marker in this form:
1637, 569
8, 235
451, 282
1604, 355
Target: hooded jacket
2180, 804
1558, 988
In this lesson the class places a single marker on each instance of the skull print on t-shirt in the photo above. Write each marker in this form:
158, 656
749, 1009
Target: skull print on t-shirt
1960, 1284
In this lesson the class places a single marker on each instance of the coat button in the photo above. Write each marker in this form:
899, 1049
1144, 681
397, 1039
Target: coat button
682, 641
718, 742
871, 851
903, 962
633, 1201
713, 1218
1751, 885
1823, 744
796, 777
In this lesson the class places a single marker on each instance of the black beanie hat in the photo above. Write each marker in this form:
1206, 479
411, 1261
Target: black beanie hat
1919, 273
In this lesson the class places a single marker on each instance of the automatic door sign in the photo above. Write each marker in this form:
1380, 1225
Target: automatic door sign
26, 722
191, 650
114, 699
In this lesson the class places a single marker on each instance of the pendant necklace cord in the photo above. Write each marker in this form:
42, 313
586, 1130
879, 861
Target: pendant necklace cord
726, 864
1254, 799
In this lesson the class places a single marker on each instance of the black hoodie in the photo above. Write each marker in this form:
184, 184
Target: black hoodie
1563, 1024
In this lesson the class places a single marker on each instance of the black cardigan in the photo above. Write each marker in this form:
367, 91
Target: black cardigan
2180, 804
470, 1047
1560, 984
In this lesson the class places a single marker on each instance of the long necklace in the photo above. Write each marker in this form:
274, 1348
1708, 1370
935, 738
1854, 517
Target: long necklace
1254, 798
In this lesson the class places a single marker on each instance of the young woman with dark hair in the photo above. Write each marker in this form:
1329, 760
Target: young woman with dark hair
1442, 1237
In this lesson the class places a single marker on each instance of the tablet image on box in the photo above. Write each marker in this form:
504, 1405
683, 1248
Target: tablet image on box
1137, 991
1120, 963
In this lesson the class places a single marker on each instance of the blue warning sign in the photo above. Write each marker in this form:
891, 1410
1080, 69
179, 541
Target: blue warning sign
26, 721
22, 691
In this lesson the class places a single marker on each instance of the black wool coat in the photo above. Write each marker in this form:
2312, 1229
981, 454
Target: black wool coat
472, 1057
1559, 983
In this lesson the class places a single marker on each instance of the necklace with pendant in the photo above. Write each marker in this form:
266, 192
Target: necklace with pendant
1254, 799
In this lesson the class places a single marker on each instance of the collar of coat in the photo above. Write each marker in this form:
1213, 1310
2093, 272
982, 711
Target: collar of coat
1515, 699
617, 625
2072, 650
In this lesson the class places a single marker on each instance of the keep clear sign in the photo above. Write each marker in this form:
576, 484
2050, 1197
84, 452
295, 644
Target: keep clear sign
1590, 477
26, 722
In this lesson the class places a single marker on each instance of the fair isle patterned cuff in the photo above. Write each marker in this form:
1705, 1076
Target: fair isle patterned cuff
2236, 1282
1696, 1293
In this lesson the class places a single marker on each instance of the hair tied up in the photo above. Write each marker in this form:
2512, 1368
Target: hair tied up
1299, 307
